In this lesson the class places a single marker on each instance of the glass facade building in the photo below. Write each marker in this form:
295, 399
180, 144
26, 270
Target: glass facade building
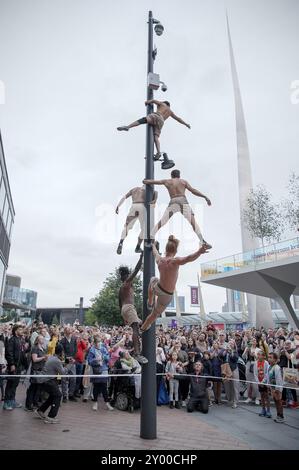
7, 216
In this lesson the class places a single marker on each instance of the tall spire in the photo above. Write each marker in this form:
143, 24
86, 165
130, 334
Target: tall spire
259, 310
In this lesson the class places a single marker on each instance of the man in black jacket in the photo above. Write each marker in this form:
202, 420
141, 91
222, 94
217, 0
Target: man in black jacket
16, 362
199, 399
69, 344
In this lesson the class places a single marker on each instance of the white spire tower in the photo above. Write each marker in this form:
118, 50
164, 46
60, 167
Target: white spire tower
259, 310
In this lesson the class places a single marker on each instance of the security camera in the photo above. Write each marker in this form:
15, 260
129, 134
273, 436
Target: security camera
164, 86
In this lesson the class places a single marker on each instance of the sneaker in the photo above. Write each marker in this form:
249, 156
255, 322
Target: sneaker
279, 419
268, 414
263, 412
95, 406
110, 408
184, 404
211, 403
7, 405
28, 409
17, 404
249, 400
257, 402
40, 414
49, 420
295, 405
177, 405
141, 359
72, 398
171, 405
234, 405
85, 400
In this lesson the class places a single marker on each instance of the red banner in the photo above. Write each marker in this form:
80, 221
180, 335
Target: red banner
194, 295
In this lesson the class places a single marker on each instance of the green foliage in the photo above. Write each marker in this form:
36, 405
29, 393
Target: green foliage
261, 216
55, 320
105, 306
291, 205
90, 318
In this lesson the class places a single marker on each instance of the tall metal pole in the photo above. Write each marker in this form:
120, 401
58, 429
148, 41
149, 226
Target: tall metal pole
148, 422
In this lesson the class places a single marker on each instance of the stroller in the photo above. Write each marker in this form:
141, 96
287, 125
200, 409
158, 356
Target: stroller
123, 390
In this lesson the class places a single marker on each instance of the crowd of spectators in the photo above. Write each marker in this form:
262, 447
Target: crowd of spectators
197, 366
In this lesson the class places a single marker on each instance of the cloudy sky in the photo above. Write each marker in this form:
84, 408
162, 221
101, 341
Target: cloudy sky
74, 70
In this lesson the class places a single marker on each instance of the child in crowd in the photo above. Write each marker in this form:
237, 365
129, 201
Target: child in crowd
173, 367
260, 371
275, 379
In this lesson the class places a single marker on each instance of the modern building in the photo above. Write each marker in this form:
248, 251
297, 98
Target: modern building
7, 216
271, 271
63, 315
22, 301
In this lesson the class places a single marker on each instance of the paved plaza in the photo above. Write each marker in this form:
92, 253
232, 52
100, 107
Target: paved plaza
82, 428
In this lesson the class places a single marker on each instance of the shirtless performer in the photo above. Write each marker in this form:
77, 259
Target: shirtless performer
178, 202
137, 211
126, 304
156, 120
160, 291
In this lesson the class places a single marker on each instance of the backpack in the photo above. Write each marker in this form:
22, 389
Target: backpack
163, 398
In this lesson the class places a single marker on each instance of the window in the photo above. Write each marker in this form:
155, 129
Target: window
2, 195
5, 210
8, 221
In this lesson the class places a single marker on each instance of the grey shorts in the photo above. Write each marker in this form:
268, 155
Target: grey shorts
157, 121
163, 298
129, 314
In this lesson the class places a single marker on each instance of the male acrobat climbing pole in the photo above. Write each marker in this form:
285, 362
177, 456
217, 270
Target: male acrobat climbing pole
137, 211
156, 120
178, 202
126, 304
160, 291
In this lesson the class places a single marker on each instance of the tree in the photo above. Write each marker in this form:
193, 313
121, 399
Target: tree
291, 206
55, 320
105, 306
90, 318
261, 216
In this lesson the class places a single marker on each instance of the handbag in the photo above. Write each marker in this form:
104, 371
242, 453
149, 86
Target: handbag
226, 371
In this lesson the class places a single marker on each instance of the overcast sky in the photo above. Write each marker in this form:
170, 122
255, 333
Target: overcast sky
76, 69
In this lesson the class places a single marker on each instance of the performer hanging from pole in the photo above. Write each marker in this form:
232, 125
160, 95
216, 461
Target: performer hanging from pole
160, 291
137, 211
156, 120
178, 203
126, 304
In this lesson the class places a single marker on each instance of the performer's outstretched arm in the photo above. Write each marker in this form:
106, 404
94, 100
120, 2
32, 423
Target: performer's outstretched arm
156, 102
188, 259
136, 270
180, 120
145, 181
156, 253
123, 200
197, 193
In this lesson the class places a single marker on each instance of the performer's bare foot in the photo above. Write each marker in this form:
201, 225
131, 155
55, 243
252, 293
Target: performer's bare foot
119, 248
123, 128
207, 245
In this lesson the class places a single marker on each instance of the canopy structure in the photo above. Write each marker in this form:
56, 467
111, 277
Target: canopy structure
271, 271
